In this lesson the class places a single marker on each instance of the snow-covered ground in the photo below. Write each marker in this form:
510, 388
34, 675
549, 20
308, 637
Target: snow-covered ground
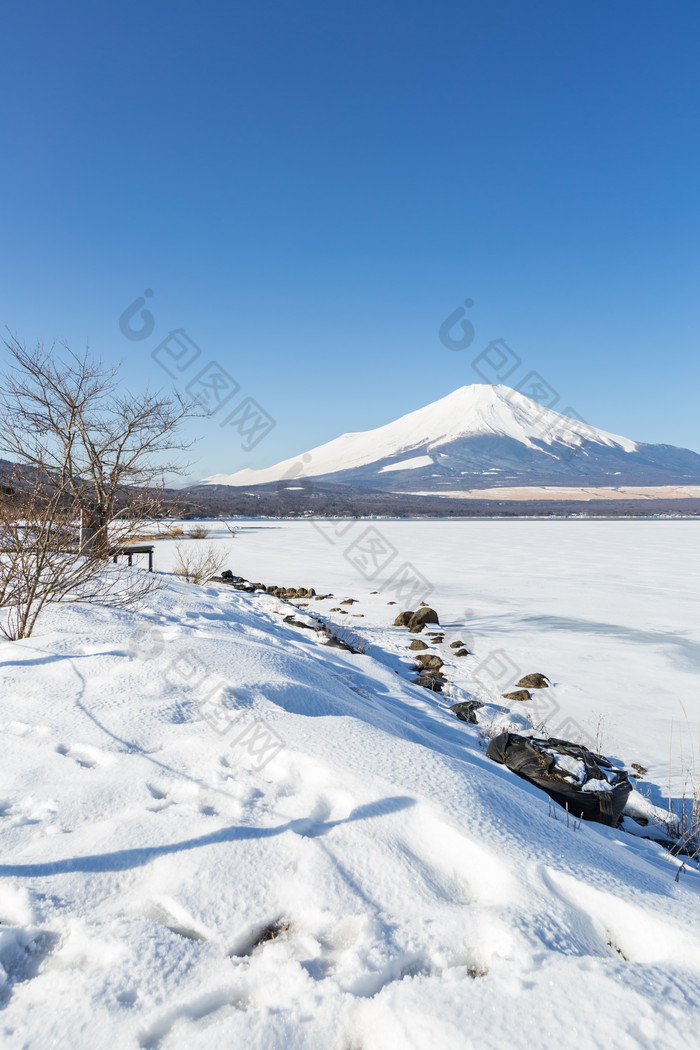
217, 831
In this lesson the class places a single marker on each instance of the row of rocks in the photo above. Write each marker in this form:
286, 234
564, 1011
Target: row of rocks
289, 592
355, 644
429, 665
285, 593
239, 583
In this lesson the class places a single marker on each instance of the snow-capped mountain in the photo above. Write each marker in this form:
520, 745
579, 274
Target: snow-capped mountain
480, 436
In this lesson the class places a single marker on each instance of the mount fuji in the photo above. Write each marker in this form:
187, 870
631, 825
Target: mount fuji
479, 436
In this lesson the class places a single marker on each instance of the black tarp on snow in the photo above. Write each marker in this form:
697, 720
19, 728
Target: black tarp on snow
563, 769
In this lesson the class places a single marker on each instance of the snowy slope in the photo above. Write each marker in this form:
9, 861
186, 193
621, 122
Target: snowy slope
418, 894
475, 431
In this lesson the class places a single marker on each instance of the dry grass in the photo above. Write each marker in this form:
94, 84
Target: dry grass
540, 727
175, 532
684, 818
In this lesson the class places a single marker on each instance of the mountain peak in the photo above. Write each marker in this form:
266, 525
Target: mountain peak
477, 433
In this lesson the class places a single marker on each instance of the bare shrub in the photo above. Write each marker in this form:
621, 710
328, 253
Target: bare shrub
199, 532
42, 564
198, 565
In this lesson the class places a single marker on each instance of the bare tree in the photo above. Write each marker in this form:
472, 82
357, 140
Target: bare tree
82, 453
110, 450
231, 528
41, 564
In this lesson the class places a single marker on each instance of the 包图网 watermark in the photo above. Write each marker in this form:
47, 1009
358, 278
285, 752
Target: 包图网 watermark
211, 386
214, 698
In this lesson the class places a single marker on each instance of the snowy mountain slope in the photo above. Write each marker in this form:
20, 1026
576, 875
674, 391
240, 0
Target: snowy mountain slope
477, 436
377, 883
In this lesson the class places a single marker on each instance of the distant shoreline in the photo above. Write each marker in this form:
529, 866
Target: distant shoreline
442, 517
338, 502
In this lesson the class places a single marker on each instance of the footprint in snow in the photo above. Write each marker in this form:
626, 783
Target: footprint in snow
172, 916
23, 953
345, 953
186, 1018
619, 928
84, 755
160, 798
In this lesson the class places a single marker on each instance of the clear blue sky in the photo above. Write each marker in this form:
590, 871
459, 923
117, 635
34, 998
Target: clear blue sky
310, 189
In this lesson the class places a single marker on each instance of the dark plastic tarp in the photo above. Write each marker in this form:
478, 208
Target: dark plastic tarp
534, 759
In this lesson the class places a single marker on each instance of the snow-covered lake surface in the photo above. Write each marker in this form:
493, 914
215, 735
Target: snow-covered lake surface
217, 831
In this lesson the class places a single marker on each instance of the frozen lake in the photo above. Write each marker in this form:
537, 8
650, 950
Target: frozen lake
608, 610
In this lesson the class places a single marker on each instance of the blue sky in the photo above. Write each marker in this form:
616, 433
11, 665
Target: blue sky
310, 189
